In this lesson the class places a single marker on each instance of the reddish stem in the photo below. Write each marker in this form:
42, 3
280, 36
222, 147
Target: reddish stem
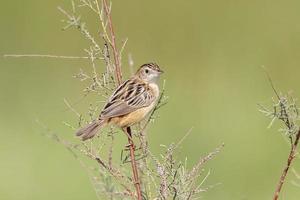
133, 165
286, 169
118, 73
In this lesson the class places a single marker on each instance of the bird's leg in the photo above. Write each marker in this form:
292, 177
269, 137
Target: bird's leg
127, 147
135, 148
129, 136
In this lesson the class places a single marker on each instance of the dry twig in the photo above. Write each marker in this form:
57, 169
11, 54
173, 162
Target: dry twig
285, 110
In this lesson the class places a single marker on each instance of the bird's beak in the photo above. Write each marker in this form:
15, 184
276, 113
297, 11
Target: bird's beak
160, 71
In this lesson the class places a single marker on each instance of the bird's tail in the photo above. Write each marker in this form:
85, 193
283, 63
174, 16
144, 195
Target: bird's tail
90, 130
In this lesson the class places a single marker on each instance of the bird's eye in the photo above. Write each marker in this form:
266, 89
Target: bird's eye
146, 71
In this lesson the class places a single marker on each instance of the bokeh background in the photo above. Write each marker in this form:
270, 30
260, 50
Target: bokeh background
212, 52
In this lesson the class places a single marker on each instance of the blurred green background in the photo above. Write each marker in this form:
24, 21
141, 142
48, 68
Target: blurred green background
212, 53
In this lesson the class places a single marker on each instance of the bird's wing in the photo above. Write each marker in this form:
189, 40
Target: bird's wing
128, 97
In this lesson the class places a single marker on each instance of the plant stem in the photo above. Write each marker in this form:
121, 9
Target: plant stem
133, 165
118, 75
44, 56
286, 169
113, 43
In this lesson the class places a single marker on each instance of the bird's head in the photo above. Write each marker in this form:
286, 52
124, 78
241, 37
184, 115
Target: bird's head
149, 72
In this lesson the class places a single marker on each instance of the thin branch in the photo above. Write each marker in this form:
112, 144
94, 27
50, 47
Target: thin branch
103, 22
71, 108
290, 159
113, 43
203, 160
71, 147
44, 56
271, 82
183, 138
122, 49
118, 75
111, 148
112, 171
285, 110
74, 21
133, 164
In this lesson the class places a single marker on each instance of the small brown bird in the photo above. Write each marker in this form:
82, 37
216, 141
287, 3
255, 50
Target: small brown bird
129, 103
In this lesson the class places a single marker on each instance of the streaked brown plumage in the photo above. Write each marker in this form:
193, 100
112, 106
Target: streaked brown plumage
129, 103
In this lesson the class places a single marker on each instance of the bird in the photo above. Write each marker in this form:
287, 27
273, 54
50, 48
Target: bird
130, 102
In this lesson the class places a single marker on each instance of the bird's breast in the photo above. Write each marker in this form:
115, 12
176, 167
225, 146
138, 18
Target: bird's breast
139, 114
155, 89
135, 116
